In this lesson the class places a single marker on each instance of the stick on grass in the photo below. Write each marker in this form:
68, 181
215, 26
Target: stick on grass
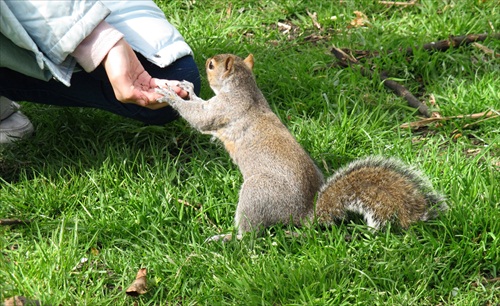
347, 60
13, 221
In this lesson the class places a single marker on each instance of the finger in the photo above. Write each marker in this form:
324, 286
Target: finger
152, 97
139, 97
181, 92
142, 101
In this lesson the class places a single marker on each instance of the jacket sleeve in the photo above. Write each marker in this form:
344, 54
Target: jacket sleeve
92, 50
147, 30
57, 27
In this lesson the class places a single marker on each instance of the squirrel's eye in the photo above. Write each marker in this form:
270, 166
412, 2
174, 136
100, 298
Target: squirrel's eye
211, 65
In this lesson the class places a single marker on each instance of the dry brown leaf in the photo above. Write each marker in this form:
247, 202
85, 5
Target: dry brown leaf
456, 136
284, 28
472, 152
138, 287
314, 17
433, 103
496, 163
94, 251
360, 21
20, 301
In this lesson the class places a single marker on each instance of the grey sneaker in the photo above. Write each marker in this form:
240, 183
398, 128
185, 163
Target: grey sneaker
13, 124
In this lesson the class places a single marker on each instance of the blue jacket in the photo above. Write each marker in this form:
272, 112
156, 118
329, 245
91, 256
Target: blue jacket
37, 37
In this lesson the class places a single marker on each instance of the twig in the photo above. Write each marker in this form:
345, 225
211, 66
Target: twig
486, 281
454, 41
345, 59
348, 60
398, 3
427, 121
485, 49
405, 93
13, 221
442, 45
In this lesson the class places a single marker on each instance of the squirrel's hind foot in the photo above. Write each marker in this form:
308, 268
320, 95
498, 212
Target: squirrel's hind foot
223, 238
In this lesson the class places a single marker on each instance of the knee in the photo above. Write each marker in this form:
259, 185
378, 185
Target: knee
155, 117
189, 71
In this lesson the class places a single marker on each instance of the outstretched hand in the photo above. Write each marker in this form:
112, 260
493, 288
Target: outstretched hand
130, 81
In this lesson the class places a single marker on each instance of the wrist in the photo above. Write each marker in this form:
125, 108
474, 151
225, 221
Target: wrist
94, 48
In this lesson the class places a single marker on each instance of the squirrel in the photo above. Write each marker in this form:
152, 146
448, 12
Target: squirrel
281, 182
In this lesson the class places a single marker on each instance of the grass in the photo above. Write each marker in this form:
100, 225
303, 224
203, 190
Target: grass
125, 196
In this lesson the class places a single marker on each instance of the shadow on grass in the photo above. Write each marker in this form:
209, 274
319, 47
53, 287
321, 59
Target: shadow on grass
83, 139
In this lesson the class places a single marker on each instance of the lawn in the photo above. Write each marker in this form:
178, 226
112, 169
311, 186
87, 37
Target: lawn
106, 196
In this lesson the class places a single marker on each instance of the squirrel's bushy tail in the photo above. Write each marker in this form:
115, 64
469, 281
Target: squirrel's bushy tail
381, 190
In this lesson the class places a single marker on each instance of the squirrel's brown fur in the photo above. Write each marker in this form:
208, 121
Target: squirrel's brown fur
281, 181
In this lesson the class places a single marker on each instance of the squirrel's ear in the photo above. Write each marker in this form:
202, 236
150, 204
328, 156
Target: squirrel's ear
249, 61
228, 64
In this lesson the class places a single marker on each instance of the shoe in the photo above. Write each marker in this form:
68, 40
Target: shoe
7, 108
14, 125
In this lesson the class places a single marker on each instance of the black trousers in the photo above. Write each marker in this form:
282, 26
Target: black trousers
94, 90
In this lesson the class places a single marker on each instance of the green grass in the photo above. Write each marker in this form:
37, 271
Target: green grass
125, 196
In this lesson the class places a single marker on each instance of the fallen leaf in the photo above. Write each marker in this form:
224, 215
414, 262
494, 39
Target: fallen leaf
433, 103
138, 287
20, 301
94, 251
359, 21
314, 17
284, 28
456, 136
496, 163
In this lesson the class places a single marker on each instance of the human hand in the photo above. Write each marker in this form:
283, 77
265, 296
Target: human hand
130, 81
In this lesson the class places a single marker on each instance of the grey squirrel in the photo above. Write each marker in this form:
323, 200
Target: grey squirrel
281, 181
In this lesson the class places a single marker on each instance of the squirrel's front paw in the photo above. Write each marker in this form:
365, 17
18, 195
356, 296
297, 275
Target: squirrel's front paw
189, 87
169, 95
